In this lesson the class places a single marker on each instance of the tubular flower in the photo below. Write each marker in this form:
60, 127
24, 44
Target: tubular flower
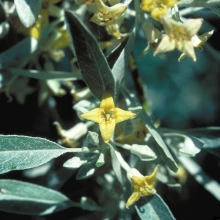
110, 17
179, 36
157, 8
107, 116
143, 185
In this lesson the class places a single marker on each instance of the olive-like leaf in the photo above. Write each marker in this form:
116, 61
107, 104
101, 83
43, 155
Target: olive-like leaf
22, 152
87, 170
43, 75
143, 152
30, 199
161, 147
122, 53
18, 53
28, 11
92, 62
211, 185
153, 207
116, 164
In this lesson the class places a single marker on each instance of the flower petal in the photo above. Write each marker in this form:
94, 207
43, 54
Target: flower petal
93, 115
189, 50
150, 179
166, 44
107, 129
133, 198
121, 115
193, 26
107, 101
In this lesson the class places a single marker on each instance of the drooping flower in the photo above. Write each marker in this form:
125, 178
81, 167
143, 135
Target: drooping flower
143, 185
198, 41
157, 8
107, 115
110, 17
179, 35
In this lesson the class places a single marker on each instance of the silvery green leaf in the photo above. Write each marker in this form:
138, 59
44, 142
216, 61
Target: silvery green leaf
93, 65
116, 164
87, 170
89, 204
212, 145
28, 11
38, 171
16, 54
79, 160
122, 54
210, 136
4, 28
92, 138
75, 162
136, 110
101, 160
43, 75
183, 143
22, 152
161, 147
83, 106
30, 199
143, 152
201, 177
153, 208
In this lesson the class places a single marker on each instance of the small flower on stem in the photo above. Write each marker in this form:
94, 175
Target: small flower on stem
107, 116
179, 36
110, 17
157, 8
143, 185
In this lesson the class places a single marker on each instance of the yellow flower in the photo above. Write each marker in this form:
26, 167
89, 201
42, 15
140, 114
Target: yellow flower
62, 39
143, 185
178, 35
157, 8
107, 116
42, 21
110, 17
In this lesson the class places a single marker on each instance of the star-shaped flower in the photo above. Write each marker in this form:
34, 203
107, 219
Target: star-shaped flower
107, 115
110, 17
198, 42
143, 185
157, 8
178, 35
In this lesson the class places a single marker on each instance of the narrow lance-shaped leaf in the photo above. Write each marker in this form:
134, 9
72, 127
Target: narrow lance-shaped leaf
94, 67
30, 199
161, 147
43, 75
21, 152
18, 53
122, 53
28, 11
201, 177
210, 137
116, 164
153, 207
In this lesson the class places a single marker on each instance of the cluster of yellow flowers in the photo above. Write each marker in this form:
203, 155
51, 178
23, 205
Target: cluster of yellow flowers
107, 115
178, 35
